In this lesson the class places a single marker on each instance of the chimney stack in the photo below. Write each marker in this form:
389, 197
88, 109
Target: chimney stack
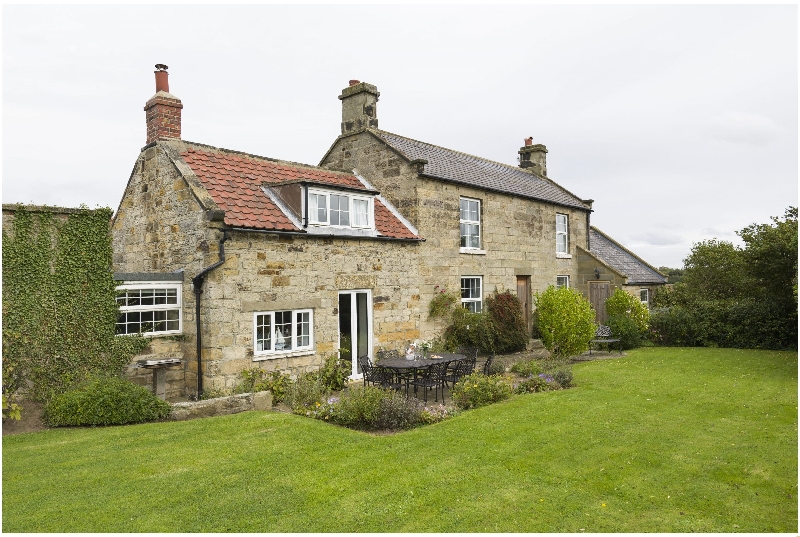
533, 157
359, 106
163, 110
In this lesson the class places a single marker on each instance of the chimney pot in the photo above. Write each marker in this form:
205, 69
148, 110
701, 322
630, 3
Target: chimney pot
354, 82
529, 140
162, 78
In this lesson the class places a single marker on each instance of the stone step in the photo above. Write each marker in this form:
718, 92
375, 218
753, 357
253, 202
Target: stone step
535, 344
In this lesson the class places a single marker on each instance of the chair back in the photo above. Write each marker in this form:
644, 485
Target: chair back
603, 331
436, 372
467, 367
366, 367
488, 365
384, 354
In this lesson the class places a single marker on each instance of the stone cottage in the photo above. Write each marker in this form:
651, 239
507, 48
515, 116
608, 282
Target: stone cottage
232, 261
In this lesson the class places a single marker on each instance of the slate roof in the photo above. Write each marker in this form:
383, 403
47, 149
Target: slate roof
479, 172
621, 259
234, 181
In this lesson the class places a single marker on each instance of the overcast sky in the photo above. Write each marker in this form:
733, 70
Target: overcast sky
679, 121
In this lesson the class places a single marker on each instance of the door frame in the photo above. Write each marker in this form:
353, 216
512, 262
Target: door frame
353, 293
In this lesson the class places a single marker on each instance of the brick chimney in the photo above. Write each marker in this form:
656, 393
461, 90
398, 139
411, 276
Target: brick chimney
533, 157
359, 106
163, 110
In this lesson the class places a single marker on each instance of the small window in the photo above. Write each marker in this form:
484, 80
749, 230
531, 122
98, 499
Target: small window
644, 296
276, 332
151, 308
562, 234
562, 281
340, 210
471, 293
470, 223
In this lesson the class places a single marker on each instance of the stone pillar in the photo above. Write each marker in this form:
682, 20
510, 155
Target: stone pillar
359, 106
163, 110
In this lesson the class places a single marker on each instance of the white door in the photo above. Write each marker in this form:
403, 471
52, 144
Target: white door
355, 327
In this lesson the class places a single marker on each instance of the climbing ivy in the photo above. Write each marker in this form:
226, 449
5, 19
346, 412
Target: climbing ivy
59, 307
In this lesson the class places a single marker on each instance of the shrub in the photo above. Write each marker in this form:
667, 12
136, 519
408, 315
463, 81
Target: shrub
258, 380
537, 383
436, 413
470, 330
372, 408
105, 401
511, 332
627, 330
563, 377
526, 368
442, 302
623, 304
304, 394
334, 373
477, 390
565, 320
498, 366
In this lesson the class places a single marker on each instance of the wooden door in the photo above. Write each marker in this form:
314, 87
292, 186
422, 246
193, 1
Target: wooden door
598, 293
524, 295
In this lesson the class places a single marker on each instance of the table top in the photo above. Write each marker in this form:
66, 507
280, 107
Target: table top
424, 363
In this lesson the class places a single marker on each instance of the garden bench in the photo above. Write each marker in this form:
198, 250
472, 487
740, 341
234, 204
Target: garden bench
603, 336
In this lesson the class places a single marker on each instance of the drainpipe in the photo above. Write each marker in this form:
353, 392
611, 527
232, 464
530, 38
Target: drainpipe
197, 282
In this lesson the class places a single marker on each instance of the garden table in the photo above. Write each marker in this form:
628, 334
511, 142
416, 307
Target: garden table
403, 368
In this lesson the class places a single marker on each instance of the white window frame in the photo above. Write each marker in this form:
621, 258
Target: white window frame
274, 350
125, 309
562, 281
467, 301
351, 199
646, 299
562, 233
467, 222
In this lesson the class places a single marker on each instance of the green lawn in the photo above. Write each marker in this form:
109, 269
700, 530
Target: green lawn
662, 440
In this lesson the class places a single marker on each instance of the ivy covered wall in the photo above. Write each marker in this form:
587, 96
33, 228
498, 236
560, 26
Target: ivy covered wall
59, 307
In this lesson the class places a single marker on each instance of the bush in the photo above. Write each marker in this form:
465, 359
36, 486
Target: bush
537, 383
511, 332
476, 390
470, 330
258, 380
304, 394
624, 304
527, 368
105, 401
563, 377
626, 329
334, 373
565, 320
372, 408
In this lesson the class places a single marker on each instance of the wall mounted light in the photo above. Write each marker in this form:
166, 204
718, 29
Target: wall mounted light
597, 273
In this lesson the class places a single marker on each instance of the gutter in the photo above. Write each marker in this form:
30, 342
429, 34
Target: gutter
197, 282
320, 235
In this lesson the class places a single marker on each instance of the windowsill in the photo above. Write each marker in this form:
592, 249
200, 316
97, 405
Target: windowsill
472, 251
290, 354
560, 255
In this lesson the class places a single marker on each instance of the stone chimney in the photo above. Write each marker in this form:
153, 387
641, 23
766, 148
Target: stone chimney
533, 157
359, 106
163, 110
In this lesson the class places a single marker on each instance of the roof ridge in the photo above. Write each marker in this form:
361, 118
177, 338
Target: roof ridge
608, 237
515, 168
268, 159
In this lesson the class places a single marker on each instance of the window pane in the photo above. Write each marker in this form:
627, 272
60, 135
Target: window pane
263, 332
360, 213
340, 212
561, 244
561, 223
147, 297
283, 330
303, 330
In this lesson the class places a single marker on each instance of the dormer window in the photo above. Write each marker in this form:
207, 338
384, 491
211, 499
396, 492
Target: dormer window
338, 209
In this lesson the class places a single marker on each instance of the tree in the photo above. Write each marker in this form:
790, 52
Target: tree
565, 320
511, 332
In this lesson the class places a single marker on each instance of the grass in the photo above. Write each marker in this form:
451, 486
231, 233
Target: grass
663, 440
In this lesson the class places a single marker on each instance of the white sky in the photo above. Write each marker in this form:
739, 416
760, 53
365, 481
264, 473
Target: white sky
680, 121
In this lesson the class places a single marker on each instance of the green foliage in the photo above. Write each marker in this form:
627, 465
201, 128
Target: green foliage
470, 330
59, 303
258, 380
538, 383
627, 330
563, 377
734, 297
371, 409
511, 332
334, 373
11, 410
566, 321
673, 275
105, 401
306, 393
476, 390
526, 368
626, 305
442, 302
